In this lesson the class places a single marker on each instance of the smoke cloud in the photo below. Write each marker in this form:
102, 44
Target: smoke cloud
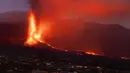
68, 16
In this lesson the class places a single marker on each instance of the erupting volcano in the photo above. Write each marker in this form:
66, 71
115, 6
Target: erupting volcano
65, 22
36, 33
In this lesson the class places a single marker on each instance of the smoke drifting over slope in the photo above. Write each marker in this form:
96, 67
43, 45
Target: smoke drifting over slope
67, 18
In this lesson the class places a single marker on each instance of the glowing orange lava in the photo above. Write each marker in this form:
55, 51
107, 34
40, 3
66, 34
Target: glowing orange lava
91, 53
35, 34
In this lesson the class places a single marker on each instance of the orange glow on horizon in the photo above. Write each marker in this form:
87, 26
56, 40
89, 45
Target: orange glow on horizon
91, 53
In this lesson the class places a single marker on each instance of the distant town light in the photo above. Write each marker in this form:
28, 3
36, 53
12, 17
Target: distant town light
85, 67
124, 58
66, 50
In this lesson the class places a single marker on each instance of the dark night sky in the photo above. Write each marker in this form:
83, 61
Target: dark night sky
122, 18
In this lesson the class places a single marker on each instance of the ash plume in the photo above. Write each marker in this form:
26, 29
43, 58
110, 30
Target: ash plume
68, 19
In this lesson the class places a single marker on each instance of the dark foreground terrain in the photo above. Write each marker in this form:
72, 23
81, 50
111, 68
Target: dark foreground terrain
20, 59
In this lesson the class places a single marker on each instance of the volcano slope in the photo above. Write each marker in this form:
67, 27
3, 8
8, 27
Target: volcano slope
111, 39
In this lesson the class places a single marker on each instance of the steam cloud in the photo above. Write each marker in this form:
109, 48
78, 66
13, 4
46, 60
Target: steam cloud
68, 17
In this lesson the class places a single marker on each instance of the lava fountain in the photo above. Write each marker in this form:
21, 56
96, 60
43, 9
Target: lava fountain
36, 32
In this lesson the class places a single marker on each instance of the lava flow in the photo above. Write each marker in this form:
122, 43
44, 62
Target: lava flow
91, 53
36, 32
